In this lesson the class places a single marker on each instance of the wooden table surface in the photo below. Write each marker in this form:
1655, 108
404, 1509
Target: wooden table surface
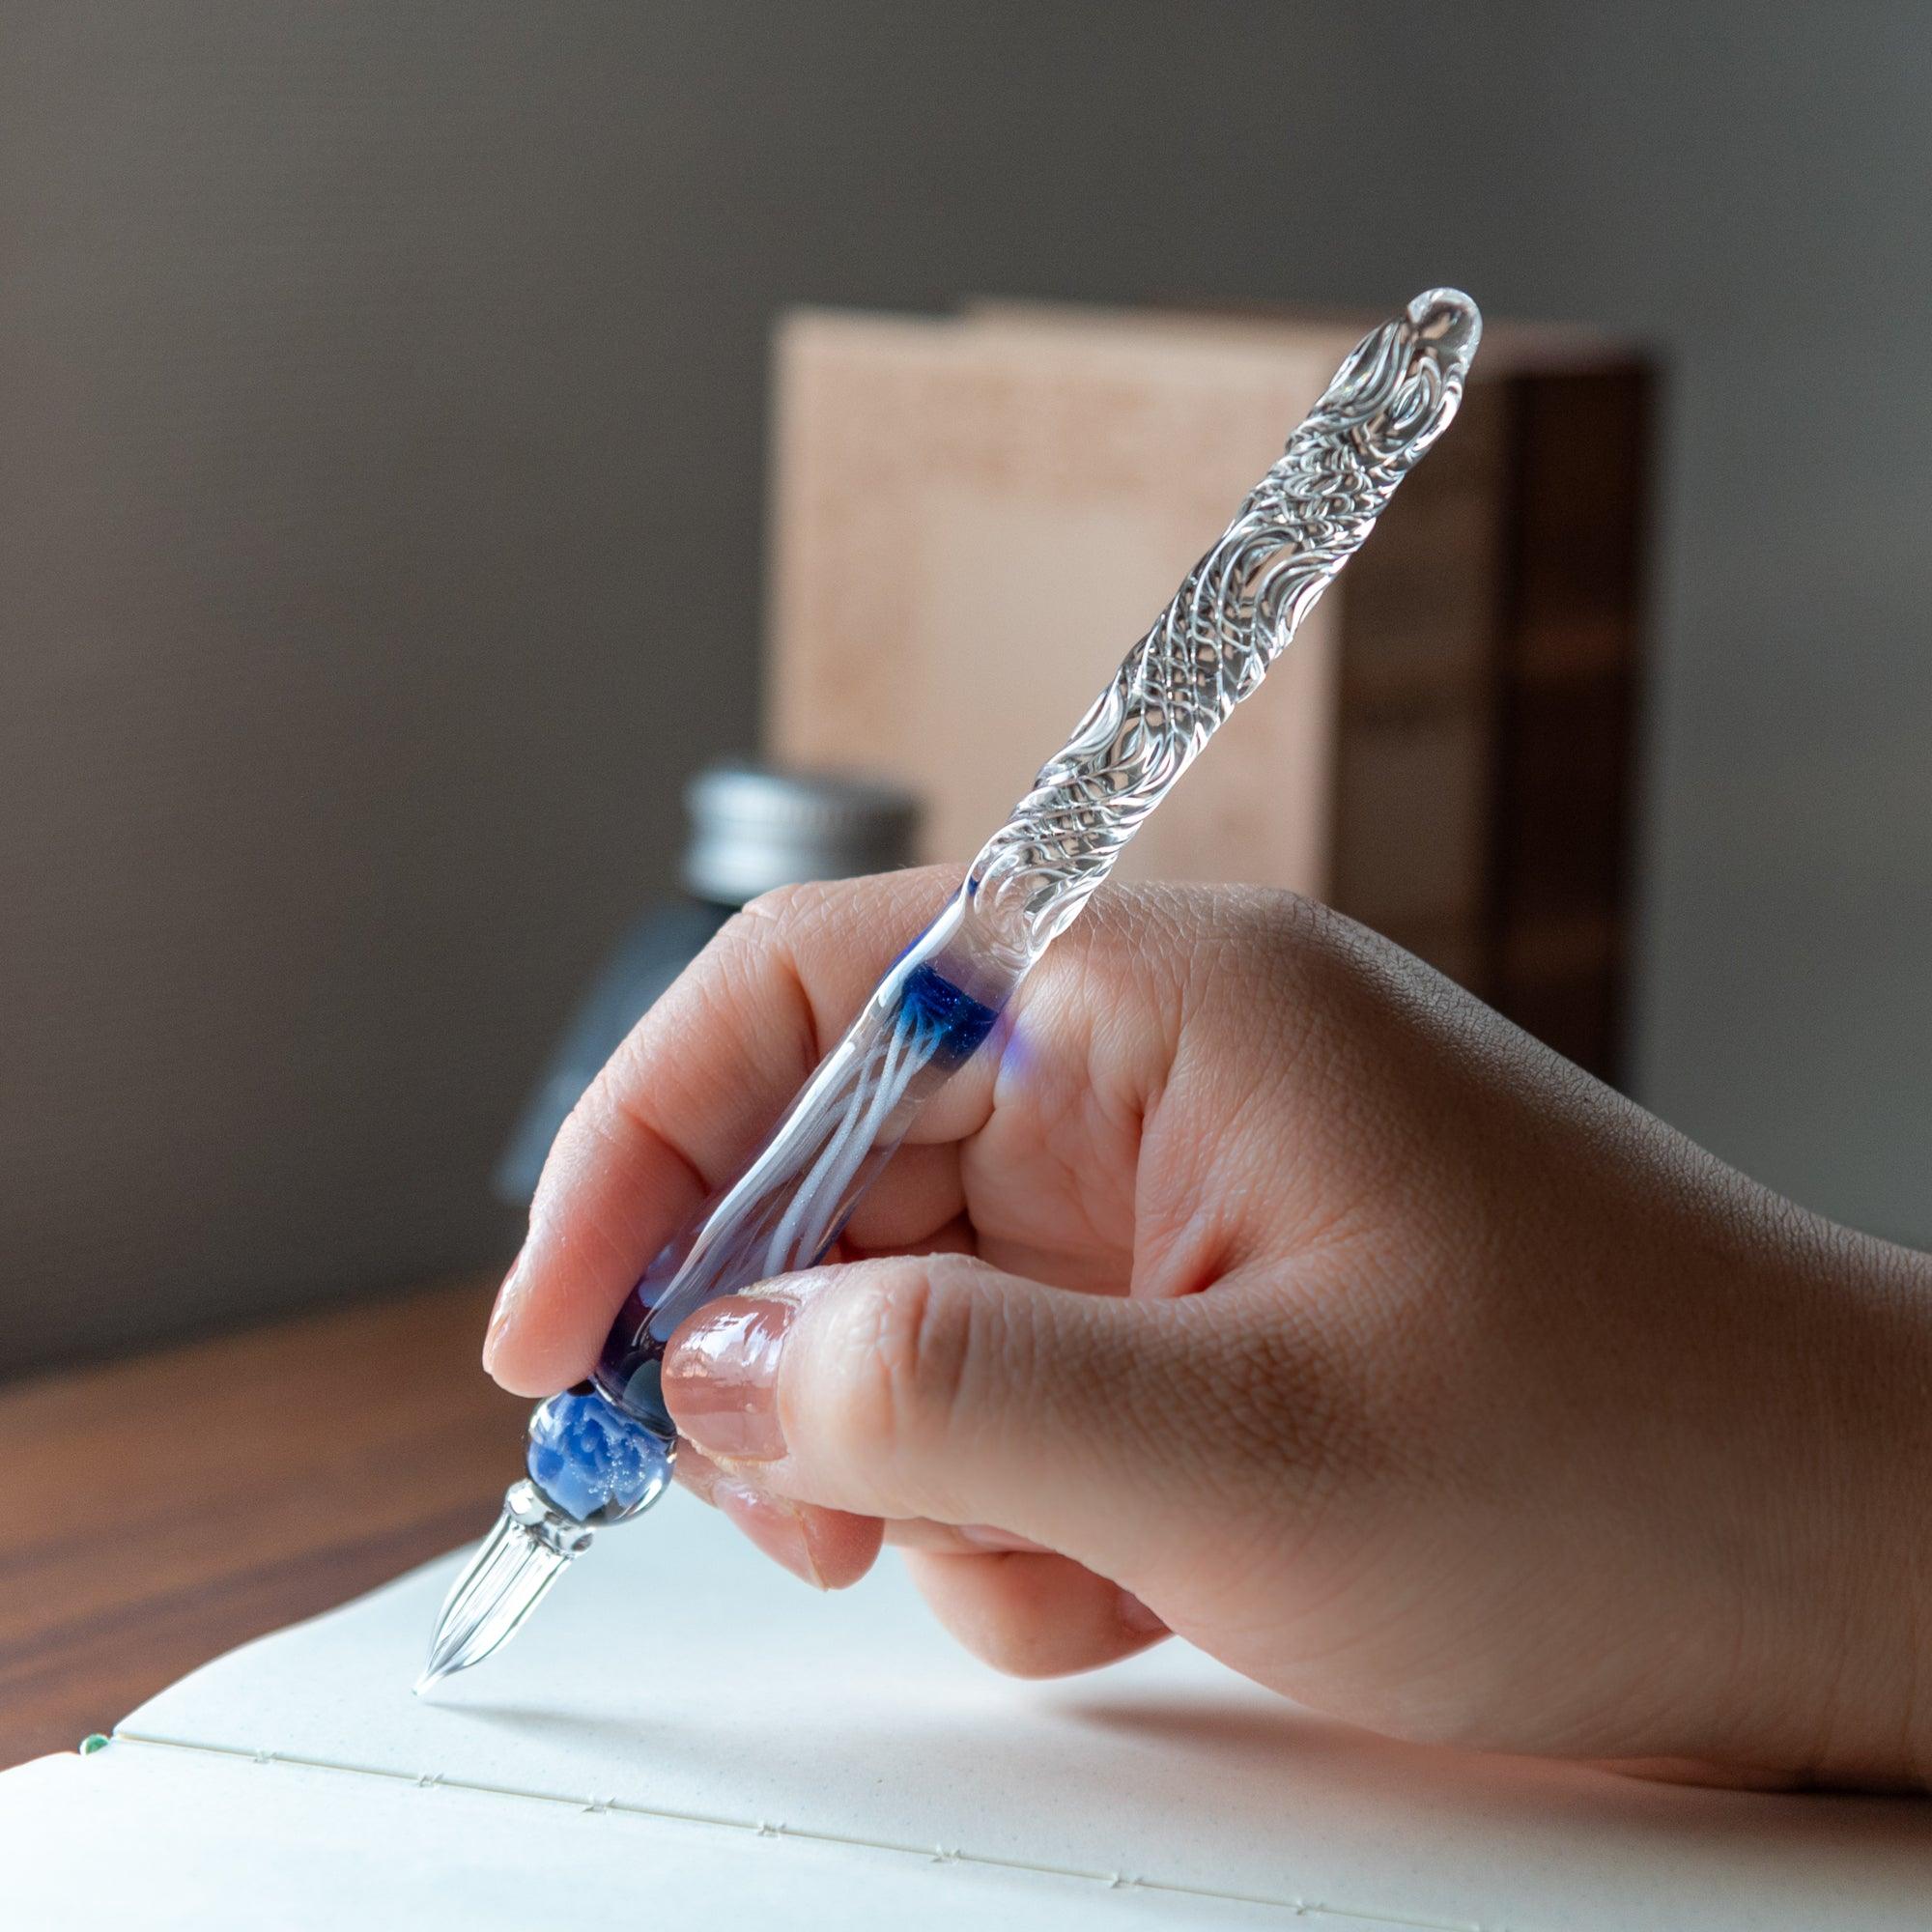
163, 1509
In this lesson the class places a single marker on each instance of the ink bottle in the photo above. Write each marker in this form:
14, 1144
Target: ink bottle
751, 827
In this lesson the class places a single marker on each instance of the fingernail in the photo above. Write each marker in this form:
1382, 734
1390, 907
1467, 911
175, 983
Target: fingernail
501, 1311
721, 1378
772, 1525
1138, 1618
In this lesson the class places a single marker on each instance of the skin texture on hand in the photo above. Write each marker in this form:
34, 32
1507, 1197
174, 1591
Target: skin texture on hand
1262, 1287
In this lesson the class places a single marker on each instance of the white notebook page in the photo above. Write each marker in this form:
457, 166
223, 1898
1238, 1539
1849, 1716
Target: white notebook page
685, 1728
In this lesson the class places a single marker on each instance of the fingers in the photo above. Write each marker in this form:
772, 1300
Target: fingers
1035, 1615
1104, 1429
1021, 1608
702, 1079
827, 1549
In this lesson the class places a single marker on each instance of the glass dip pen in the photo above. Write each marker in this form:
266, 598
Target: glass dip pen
600, 1453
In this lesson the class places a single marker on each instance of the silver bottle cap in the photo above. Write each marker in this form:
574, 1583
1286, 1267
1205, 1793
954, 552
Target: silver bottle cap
754, 828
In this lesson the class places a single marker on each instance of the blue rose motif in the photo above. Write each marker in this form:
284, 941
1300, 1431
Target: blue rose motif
592, 1461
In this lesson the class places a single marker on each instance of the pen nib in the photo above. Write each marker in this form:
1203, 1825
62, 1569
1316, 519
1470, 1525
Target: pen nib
505, 1581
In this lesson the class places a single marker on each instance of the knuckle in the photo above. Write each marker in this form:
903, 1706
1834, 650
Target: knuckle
786, 908
909, 1343
810, 923
1292, 943
798, 915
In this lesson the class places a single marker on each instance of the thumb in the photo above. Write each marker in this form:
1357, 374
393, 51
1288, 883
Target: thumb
937, 1386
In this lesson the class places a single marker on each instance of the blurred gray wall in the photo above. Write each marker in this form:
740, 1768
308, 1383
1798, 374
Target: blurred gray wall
380, 404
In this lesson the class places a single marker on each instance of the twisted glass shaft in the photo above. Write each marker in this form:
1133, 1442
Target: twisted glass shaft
1233, 615
602, 1453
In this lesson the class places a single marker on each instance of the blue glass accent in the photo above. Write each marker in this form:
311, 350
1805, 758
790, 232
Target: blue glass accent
629, 1376
592, 1461
932, 1002
630, 1369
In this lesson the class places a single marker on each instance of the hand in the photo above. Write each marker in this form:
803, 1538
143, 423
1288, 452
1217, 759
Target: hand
1409, 1371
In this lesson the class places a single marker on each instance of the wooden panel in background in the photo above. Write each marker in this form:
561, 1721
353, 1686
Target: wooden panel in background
973, 517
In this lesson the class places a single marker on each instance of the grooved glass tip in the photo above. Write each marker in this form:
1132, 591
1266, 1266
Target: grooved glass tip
505, 1581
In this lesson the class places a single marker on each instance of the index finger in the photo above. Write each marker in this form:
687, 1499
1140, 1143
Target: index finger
686, 1100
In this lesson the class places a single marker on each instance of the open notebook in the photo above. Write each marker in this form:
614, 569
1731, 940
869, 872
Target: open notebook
685, 1736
